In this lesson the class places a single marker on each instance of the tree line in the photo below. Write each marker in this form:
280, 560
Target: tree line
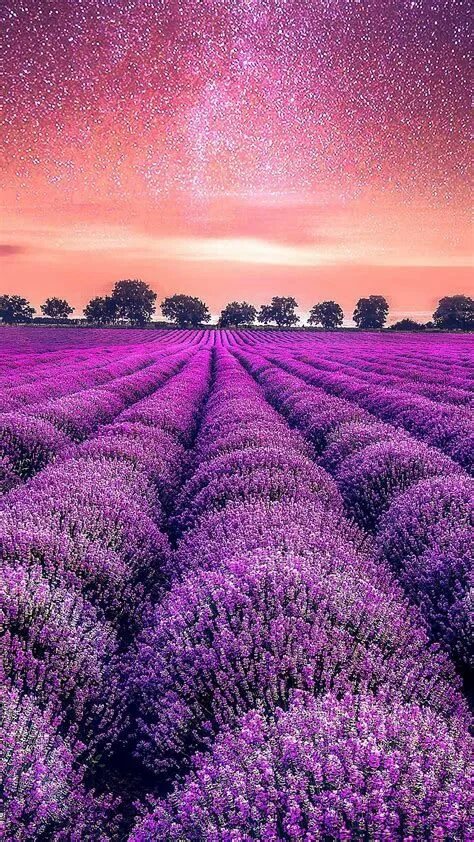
132, 302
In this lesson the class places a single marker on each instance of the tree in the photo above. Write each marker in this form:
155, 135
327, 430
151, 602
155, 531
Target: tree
14, 309
134, 301
281, 311
371, 312
265, 315
185, 310
101, 311
235, 314
56, 308
455, 312
407, 324
328, 314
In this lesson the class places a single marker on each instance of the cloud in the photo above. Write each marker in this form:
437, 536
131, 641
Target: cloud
117, 241
298, 234
195, 249
11, 249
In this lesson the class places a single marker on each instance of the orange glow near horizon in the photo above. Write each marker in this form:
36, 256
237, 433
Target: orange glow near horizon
241, 151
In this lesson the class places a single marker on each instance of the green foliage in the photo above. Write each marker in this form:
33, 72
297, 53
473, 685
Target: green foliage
455, 312
371, 312
235, 314
134, 301
56, 308
185, 310
328, 314
407, 324
281, 311
14, 309
101, 311
131, 301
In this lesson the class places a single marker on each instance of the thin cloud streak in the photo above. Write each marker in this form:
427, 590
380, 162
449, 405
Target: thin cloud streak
117, 241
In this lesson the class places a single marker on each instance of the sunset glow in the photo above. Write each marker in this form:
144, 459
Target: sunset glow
237, 149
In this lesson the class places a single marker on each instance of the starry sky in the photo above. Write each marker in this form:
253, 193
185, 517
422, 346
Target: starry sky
236, 149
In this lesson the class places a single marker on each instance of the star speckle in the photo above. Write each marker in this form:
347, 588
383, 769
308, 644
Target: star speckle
237, 95
287, 121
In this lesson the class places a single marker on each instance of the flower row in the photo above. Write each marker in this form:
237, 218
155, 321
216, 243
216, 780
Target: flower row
33, 436
283, 677
449, 428
83, 551
416, 500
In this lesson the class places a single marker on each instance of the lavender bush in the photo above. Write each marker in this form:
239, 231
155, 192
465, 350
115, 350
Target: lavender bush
356, 767
235, 586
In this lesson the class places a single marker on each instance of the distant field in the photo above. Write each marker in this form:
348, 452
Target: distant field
236, 584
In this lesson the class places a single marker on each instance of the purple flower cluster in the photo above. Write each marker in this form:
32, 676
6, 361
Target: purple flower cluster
56, 378
373, 477
43, 790
33, 436
56, 647
436, 379
350, 767
28, 444
428, 536
348, 438
234, 591
277, 608
374, 464
447, 427
83, 548
227, 640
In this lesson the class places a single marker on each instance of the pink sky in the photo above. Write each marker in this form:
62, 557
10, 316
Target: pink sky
237, 150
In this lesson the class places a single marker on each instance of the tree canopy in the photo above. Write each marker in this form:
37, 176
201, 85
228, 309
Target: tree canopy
185, 310
131, 301
328, 314
134, 301
407, 324
371, 312
455, 312
281, 311
101, 311
237, 313
56, 308
14, 309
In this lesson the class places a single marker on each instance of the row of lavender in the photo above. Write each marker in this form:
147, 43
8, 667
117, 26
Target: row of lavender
84, 551
449, 428
30, 343
426, 369
450, 355
42, 413
395, 384
283, 687
415, 500
283, 683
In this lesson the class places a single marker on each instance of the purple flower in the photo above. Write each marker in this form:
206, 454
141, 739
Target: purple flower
330, 768
372, 477
225, 640
56, 648
28, 443
42, 783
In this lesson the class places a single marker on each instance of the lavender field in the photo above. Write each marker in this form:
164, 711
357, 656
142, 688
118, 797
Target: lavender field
236, 586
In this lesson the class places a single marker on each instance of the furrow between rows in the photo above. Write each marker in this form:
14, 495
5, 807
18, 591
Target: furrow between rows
83, 554
279, 636
416, 502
